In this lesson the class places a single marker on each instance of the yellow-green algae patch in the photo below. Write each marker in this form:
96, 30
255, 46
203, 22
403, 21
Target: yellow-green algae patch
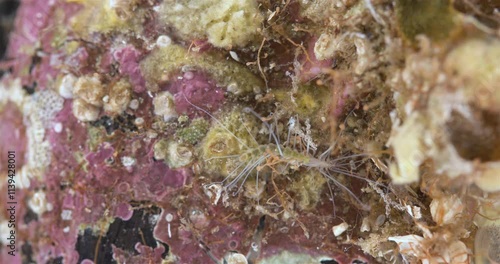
435, 19
106, 16
164, 61
225, 23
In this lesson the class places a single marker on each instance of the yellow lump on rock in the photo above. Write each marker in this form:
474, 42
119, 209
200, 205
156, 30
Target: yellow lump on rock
229, 137
224, 23
167, 60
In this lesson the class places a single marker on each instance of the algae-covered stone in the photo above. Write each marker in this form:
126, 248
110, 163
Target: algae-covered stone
226, 141
309, 187
195, 132
164, 61
224, 23
176, 155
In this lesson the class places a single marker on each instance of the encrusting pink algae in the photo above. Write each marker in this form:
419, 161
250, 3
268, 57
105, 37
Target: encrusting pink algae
250, 131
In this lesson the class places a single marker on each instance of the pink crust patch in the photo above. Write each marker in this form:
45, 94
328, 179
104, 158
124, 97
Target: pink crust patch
217, 226
151, 180
146, 254
35, 24
124, 211
311, 66
12, 135
128, 57
199, 90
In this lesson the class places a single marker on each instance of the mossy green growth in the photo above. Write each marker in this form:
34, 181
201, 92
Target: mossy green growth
433, 18
195, 132
226, 141
308, 186
307, 101
165, 61
96, 136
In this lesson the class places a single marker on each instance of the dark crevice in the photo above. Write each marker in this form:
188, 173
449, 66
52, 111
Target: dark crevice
122, 234
328, 261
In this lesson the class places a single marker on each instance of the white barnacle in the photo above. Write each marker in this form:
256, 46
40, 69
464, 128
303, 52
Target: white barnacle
67, 85
163, 41
164, 106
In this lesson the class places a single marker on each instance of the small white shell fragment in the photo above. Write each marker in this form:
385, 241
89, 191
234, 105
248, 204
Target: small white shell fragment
407, 243
67, 85
164, 106
365, 225
134, 104
234, 55
340, 229
445, 210
128, 161
235, 258
163, 41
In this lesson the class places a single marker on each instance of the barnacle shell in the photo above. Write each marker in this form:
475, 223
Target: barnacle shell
164, 105
90, 90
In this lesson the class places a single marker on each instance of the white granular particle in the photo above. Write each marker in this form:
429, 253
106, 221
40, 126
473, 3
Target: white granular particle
66, 229
66, 214
169, 217
340, 229
128, 161
58, 127
134, 104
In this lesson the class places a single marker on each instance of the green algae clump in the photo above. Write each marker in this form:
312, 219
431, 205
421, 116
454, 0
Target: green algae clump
435, 19
194, 133
226, 140
308, 188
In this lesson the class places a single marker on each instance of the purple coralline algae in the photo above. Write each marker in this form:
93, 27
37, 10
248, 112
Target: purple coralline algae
250, 131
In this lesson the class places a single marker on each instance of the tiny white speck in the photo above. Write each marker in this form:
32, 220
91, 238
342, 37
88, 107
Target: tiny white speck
128, 161
66, 229
105, 99
58, 127
134, 104
66, 214
169, 217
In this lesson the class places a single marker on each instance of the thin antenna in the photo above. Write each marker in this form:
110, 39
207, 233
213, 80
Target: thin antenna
249, 110
218, 122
